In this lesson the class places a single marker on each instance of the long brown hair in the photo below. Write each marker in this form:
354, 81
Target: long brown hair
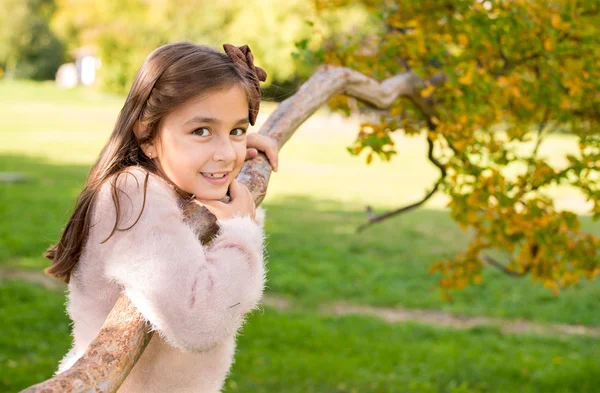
170, 76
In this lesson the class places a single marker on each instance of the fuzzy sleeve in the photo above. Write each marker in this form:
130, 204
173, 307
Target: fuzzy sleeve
194, 296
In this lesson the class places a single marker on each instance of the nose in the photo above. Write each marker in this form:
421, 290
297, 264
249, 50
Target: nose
224, 150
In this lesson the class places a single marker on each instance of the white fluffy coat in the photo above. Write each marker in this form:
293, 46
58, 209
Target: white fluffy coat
195, 297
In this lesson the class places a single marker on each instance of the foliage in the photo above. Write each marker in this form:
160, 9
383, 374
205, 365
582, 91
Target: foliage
122, 32
515, 71
125, 32
28, 47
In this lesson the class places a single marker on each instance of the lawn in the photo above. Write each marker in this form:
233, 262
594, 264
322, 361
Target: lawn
314, 205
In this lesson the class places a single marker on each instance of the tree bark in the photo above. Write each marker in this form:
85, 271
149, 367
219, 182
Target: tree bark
124, 336
109, 358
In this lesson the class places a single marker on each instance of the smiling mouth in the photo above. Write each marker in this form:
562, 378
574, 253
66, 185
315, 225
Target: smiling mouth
214, 175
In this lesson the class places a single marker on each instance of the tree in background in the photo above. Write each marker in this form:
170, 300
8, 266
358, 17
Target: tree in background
28, 47
126, 31
493, 80
122, 32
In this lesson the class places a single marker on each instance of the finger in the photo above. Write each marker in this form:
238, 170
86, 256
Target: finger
258, 141
268, 146
251, 153
239, 191
272, 152
250, 196
212, 206
234, 189
273, 155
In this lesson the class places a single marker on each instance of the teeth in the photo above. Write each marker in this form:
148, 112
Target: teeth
214, 176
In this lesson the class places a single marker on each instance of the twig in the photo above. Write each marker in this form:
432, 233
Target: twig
492, 262
373, 218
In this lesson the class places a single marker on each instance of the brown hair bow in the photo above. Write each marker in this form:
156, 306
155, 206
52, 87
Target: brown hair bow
243, 58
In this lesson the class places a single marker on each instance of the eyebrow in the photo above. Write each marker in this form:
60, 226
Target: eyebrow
212, 120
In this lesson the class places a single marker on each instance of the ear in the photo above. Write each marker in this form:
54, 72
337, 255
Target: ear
149, 150
139, 129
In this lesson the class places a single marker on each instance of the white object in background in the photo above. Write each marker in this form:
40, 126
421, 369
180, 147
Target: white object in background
66, 76
88, 70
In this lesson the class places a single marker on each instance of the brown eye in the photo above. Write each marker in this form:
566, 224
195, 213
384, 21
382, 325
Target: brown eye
238, 132
202, 131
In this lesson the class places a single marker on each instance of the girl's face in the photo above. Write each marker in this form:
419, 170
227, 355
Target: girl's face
202, 144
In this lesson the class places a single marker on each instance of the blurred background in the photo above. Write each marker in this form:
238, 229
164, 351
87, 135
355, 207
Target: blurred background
344, 311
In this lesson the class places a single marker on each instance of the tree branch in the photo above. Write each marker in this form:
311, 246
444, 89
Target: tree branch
492, 262
108, 359
373, 218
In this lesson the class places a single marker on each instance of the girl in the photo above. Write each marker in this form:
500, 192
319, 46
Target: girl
181, 134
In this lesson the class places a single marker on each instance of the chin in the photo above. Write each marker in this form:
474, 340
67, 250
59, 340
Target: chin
211, 195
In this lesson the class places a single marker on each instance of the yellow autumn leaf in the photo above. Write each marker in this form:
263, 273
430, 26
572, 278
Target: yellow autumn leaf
553, 286
466, 79
426, 92
411, 23
460, 283
548, 44
472, 216
528, 104
396, 110
555, 21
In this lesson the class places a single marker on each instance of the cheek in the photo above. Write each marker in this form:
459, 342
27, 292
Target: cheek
177, 160
240, 153
240, 157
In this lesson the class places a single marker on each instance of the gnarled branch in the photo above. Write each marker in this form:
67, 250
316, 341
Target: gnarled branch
108, 359
124, 336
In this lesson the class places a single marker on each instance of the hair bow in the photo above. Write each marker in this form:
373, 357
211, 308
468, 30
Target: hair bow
243, 58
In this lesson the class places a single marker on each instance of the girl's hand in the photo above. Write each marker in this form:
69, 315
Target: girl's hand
241, 203
257, 142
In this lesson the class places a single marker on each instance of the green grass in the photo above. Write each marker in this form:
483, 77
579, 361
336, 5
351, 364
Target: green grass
35, 334
300, 352
314, 204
